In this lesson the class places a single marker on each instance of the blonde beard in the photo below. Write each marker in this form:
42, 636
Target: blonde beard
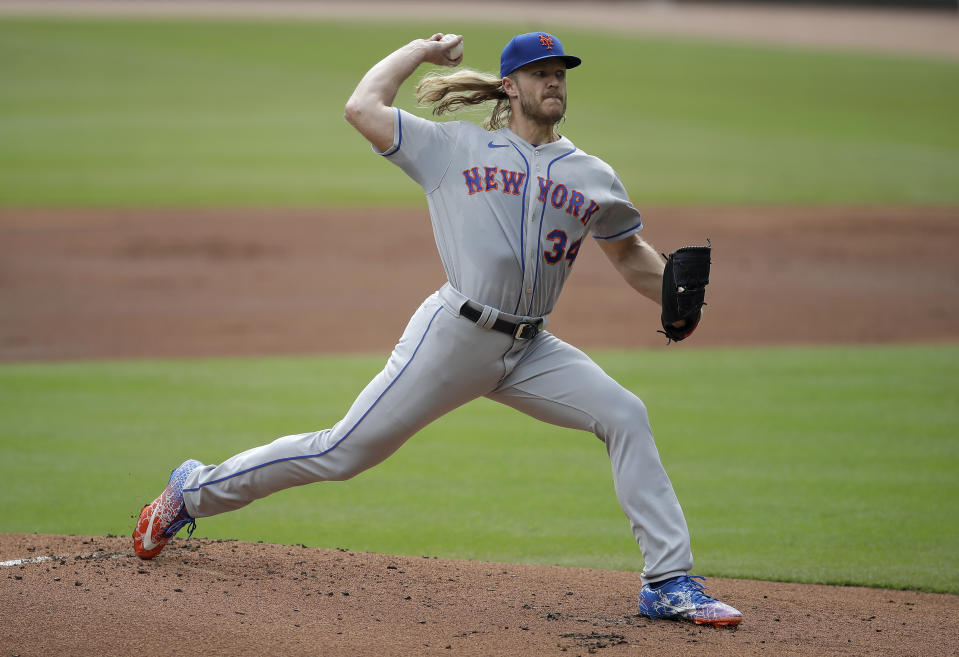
533, 113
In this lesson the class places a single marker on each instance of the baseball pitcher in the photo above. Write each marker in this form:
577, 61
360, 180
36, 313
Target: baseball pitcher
510, 203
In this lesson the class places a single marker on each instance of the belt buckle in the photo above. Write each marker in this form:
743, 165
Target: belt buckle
526, 331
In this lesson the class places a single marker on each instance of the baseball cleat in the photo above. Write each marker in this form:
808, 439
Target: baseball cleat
683, 598
161, 520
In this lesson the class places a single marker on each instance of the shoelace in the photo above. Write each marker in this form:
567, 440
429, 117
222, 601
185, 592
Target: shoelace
697, 590
177, 525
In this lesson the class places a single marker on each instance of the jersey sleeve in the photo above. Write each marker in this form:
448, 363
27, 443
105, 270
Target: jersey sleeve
421, 148
619, 218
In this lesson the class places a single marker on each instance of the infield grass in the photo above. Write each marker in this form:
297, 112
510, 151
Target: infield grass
179, 113
827, 465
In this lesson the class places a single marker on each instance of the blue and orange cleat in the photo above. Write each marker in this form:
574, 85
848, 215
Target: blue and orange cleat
161, 520
683, 598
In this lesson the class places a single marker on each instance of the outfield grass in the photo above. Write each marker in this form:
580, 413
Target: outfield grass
124, 112
831, 465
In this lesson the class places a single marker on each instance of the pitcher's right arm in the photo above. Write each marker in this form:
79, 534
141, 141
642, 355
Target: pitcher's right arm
369, 108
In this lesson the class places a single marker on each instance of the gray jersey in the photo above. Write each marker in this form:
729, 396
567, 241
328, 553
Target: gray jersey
509, 217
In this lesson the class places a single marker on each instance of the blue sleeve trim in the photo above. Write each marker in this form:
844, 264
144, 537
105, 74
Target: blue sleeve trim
399, 141
611, 238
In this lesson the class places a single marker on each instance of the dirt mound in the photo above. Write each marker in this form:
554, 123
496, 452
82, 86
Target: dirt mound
91, 596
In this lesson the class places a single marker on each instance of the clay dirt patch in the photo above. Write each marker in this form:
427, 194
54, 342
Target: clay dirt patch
90, 595
80, 284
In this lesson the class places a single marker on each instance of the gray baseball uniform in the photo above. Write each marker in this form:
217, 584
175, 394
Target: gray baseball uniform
508, 218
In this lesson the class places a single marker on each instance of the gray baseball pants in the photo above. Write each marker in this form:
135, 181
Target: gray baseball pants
441, 362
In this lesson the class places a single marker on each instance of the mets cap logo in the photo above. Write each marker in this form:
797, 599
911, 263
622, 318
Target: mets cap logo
546, 41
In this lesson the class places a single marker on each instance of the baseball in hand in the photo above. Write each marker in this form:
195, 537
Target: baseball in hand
456, 51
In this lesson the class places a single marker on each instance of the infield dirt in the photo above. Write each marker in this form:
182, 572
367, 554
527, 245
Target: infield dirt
182, 283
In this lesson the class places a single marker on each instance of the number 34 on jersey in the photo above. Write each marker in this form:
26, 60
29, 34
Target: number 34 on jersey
559, 196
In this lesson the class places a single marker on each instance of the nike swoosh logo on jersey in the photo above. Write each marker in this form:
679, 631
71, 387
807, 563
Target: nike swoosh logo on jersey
492, 145
148, 543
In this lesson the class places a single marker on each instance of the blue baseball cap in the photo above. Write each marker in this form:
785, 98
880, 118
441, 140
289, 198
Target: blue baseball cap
532, 47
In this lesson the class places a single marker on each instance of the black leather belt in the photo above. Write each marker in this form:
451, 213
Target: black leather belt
519, 330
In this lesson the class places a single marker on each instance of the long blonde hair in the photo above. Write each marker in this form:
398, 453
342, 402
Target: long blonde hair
465, 88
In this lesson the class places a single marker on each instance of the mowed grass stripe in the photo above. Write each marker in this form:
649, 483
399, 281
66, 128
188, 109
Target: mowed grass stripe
831, 465
131, 113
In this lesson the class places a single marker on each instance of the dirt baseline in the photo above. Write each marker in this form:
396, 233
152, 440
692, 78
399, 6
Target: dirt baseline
184, 283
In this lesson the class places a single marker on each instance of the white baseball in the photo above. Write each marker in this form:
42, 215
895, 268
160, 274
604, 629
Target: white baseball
456, 51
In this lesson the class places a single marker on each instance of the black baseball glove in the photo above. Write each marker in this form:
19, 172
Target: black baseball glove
684, 289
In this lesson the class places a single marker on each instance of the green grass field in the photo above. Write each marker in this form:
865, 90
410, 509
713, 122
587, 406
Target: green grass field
828, 465
112, 112
834, 465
